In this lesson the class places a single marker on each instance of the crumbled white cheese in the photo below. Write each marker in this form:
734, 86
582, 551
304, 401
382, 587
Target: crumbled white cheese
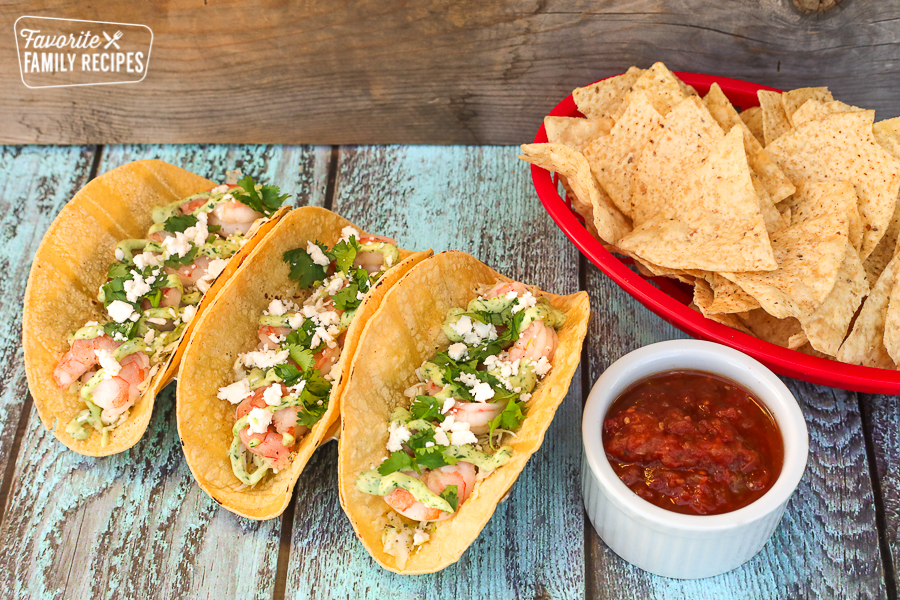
525, 397
259, 420
136, 287
398, 435
156, 321
176, 245
511, 295
277, 307
420, 537
188, 313
483, 392
542, 367
134, 317
149, 336
462, 326
316, 254
120, 254
440, 438
526, 300
296, 389
360, 295
264, 359
236, 392
108, 363
146, 259
468, 379
272, 395
347, 231
214, 269
485, 330
460, 438
295, 321
119, 311
329, 317
334, 286
456, 351
219, 189
448, 404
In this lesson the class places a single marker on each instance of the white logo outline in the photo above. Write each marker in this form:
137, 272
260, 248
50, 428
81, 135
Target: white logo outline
115, 37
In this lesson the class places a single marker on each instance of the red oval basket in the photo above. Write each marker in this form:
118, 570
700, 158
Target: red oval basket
670, 301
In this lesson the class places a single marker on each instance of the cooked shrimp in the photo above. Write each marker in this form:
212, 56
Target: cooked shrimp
158, 236
270, 444
119, 393
268, 334
477, 414
502, 288
233, 217
81, 357
372, 261
537, 341
189, 207
192, 273
462, 475
286, 421
170, 297
327, 358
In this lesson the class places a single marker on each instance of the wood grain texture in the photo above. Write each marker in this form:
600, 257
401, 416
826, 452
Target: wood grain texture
136, 524
827, 543
882, 414
438, 71
479, 200
34, 184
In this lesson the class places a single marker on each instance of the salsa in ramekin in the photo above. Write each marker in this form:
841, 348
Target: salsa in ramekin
693, 442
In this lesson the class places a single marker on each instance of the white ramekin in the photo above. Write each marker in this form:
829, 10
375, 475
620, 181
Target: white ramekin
673, 544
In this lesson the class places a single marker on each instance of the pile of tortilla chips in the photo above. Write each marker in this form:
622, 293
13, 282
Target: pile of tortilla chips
784, 217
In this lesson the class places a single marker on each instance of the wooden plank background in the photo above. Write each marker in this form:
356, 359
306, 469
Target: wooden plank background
426, 71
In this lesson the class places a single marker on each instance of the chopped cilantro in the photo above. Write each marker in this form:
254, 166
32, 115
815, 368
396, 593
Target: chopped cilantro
398, 461
449, 494
433, 458
288, 373
345, 253
302, 356
510, 419
117, 270
176, 261
178, 223
267, 199
123, 329
303, 270
427, 408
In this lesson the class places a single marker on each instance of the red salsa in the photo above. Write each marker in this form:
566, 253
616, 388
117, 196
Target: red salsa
693, 443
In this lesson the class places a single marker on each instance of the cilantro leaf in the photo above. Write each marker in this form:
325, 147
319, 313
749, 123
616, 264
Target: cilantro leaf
427, 408
178, 223
117, 270
176, 261
303, 335
125, 329
288, 373
433, 458
449, 494
266, 200
398, 461
346, 298
510, 419
345, 253
302, 356
303, 270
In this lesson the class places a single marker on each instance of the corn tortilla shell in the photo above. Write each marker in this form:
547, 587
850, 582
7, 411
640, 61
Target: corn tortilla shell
712, 222
396, 340
228, 329
71, 265
611, 224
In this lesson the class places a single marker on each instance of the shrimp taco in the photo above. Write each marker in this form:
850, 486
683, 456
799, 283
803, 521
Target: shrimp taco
260, 383
454, 382
116, 287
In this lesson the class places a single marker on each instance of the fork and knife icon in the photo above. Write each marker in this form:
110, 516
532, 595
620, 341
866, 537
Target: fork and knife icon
111, 41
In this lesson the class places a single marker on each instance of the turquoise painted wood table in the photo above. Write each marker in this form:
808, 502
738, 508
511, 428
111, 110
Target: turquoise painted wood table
136, 526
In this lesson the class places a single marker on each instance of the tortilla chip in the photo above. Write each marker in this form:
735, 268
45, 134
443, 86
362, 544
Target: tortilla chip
610, 223
712, 222
770, 329
728, 296
775, 121
885, 250
887, 134
827, 326
661, 87
842, 147
892, 324
602, 99
575, 132
865, 345
777, 185
753, 118
614, 158
70, 266
400, 336
228, 329
814, 110
842, 197
690, 134
648, 269
794, 99
809, 254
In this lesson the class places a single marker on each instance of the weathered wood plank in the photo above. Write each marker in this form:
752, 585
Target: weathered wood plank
136, 524
827, 543
882, 414
426, 72
34, 184
479, 200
